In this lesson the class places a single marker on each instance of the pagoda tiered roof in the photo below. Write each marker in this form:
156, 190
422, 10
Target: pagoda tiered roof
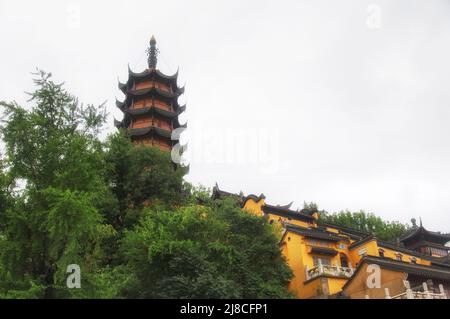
129, 113
420, 233
148, 74
150, 97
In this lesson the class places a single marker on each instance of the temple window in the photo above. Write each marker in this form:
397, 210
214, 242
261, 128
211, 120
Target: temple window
438, 252
322, 260
344, 260
381, 252
399, 257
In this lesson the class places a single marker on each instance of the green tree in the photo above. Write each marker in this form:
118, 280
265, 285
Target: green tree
141, 176
368, 222
195, 251
56, 219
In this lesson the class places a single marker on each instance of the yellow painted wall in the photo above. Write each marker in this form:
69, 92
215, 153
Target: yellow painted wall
358, 289
295, 253
311, 289
371, 248
335, 285
253, 207
389, 253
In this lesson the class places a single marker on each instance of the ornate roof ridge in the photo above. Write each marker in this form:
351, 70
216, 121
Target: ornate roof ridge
283, 209
150, 129
150, 72
313, 232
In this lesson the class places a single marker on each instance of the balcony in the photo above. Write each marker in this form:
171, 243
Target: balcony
327, 270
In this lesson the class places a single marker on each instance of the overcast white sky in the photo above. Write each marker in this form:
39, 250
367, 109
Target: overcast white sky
344, 103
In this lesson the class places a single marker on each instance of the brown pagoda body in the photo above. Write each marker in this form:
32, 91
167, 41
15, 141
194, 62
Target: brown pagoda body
151, 106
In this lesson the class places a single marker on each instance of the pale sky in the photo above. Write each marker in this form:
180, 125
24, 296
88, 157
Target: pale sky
344, 103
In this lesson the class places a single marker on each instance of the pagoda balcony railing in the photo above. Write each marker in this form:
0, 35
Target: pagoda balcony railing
335, 271
160, 87
155, 105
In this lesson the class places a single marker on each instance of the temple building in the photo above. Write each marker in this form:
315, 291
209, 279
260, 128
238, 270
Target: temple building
425, 241
151, 106
330, 261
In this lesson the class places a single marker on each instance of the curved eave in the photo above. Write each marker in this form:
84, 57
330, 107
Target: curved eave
142, 92
147, 110
149, 73
150, 130
421, 231
280, 211
122, 87
181, 109
118, 124
176, 124
253, 197
180, 91
120, 105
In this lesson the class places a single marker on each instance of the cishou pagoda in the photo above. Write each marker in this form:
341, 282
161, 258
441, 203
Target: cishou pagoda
151, 106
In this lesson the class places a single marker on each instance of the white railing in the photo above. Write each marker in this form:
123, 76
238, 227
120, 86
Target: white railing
336, 271
420, 295
417, 293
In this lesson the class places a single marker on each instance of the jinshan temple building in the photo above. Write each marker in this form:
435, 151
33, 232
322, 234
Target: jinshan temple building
328, 261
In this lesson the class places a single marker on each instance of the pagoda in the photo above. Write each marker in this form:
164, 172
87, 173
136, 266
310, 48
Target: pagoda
426, 241
151, 106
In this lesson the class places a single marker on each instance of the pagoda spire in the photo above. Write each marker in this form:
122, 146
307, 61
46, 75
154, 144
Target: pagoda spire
152, 52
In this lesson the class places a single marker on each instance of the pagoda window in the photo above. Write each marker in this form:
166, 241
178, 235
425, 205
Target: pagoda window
162, 105
141, 122
142, 85
162, 124
138, 104
150, 84
162, 86
438, 252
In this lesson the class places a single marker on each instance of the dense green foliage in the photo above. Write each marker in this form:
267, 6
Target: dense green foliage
367, 222
122, 213
55, 217
199, 251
